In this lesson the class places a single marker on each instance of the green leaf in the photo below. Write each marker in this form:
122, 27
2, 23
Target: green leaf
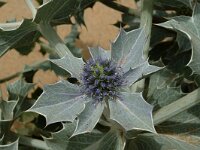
127, 52
10, 37
140, 71
7, 108
113, 140
18, 89
83, 141
189, 26
11, 146
131, 111
127, 49
162, 84
60, 11
161, 79
89, 117
97, 52
61, 101
71, 64
60, 139
161, 142
18, 92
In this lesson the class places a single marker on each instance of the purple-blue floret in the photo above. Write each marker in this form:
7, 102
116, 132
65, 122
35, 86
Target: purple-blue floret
101, 79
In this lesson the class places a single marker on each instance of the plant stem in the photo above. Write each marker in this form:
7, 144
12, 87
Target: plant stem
176, 107
54, 40
146, 23
33, 143
31, 6
121, 8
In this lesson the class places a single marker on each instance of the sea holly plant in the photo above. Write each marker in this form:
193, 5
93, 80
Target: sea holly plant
141, 94
102, 83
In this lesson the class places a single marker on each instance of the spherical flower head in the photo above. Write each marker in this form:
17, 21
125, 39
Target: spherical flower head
101, 79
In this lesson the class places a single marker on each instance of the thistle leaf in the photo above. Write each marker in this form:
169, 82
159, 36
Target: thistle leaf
71, 64
61, 101
111, 141
89, 117
10, 37
131, 111
189, 26
127, 49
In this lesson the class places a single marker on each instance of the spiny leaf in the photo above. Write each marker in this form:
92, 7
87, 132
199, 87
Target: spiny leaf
11, 36
18, 89
59, 11
59, 140
189, 26
71, 64
132, 112
62, 101
89, 117
7, 108
127, 49
97, 52
62, 141
127, 52
140, 71
113, 140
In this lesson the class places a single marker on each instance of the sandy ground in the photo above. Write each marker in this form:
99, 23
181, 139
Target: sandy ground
99, 32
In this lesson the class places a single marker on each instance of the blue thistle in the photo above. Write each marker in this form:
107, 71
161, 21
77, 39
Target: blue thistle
104, 79
101, 78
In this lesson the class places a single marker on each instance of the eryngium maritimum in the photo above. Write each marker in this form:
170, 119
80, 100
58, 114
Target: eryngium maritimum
101, 78
104, 79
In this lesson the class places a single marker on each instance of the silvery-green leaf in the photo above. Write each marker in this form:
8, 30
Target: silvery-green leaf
18, 89
82, 141
6, 110
113, 140
59, 11
139, 72
189, 26
98, 52
59, 140
186, 123
131, 111
127, 49
89, 117
160, 80
10, 146
11, 35
61, 101
71, 64
18, 92
183, 42
161, 142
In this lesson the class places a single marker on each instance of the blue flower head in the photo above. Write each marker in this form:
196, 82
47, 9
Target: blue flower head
101, 78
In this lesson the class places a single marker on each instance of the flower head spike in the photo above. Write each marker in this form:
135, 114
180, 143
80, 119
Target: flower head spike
102, 78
